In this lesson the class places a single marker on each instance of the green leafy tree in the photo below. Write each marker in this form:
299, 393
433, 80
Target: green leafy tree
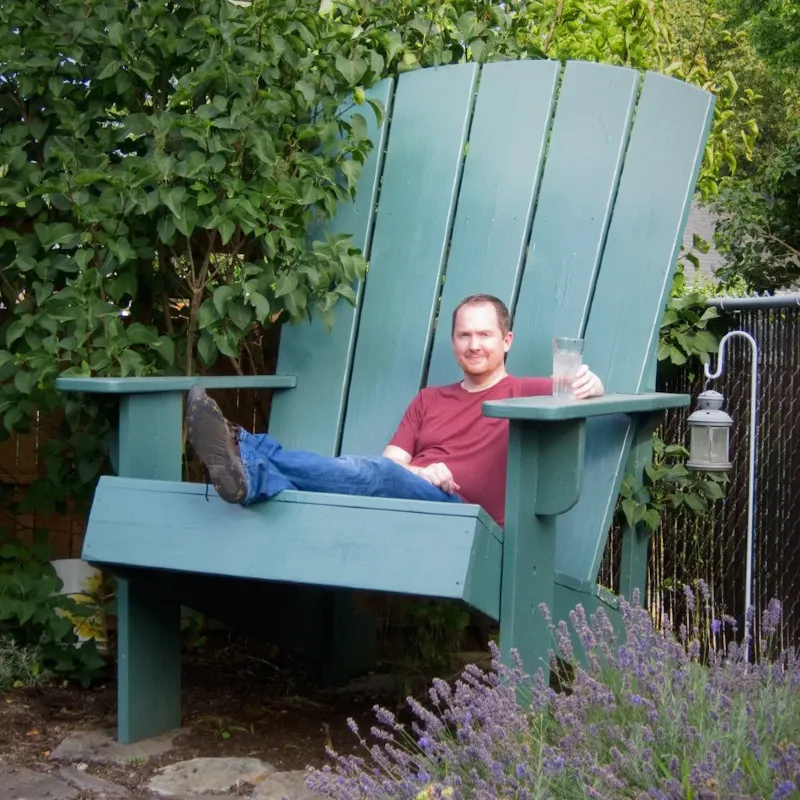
774, 26
759, 232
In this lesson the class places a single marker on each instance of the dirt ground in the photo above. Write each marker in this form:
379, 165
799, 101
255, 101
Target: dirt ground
238, 700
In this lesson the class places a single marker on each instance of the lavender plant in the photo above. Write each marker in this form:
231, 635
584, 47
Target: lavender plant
645, 714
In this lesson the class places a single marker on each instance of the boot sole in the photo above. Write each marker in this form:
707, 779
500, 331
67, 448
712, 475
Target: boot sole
208, 434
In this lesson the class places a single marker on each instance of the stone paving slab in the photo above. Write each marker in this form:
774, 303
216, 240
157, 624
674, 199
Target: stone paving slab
20, 783
101, 788
100, 747
208, 775
291, 784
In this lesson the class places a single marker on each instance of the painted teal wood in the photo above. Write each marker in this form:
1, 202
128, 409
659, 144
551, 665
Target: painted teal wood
559, 478
528, 553
165, 525
150, 436
497, 195
311, 419
148, 661
149, 634
431, 115
148, 385
584, 159
655, 191
552, 409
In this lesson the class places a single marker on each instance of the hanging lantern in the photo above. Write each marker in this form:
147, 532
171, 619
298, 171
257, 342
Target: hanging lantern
709, 430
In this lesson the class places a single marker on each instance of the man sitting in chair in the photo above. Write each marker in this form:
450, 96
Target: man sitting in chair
444, 449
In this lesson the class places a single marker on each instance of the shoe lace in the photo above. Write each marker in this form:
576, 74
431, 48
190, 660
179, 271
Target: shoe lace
207, 478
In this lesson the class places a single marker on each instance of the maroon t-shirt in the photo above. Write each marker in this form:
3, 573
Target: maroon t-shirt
446, 423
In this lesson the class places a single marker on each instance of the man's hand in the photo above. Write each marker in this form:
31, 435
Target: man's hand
587, 384
439, 475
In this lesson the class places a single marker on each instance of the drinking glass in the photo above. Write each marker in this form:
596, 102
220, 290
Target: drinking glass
567, 359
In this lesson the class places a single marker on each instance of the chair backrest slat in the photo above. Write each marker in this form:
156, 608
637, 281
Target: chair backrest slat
422, 169
584, 160
653, 200
310, 416
507, 141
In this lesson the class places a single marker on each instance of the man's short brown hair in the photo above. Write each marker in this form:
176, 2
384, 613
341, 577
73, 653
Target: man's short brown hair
503, 317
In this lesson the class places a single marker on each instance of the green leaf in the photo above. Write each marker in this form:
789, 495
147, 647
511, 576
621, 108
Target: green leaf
392, 43
306, 88
15, 330
225, 347
165, 347
109, 70
351, 170
25, 382
222, 294
141, 334
261, 305
351, 70
629, 510
206, 349
703, 340
676, 356
226, 229
58, 233
240, 315
123, 284
286, 283
173, 199
208, 314
696, 503
699, 243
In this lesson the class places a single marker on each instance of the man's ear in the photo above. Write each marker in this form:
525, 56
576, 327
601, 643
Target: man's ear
507, 339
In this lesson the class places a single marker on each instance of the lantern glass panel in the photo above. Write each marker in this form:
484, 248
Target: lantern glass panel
709, 444
700, 444
719, 445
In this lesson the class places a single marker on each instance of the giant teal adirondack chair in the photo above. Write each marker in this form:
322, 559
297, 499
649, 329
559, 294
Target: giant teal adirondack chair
569, 202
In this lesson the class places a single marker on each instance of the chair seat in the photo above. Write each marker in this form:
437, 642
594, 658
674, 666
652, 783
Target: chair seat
405, 546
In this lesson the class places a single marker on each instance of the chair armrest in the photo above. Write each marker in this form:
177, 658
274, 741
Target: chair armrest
557, 409
173, 384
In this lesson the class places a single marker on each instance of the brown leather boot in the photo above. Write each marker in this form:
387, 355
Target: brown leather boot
215, 443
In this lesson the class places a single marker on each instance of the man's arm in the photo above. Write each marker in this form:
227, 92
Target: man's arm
438, 474
399, 455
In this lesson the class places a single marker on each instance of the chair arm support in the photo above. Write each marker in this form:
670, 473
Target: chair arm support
152, 385
148, 439
547, 441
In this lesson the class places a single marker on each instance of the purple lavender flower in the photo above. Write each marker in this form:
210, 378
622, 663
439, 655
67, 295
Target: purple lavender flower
772, 617
783, 790
653, 717
689, 595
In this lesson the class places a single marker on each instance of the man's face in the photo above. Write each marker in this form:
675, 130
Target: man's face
478, 343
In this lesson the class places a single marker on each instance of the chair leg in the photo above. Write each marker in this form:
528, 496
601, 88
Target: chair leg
351, 635
149, 661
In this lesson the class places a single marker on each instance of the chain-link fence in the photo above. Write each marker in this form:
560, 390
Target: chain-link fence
714, 547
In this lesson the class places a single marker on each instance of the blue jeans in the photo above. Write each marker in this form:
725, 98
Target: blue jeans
270, 469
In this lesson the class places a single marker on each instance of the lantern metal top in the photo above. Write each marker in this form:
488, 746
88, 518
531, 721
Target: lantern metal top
709, 411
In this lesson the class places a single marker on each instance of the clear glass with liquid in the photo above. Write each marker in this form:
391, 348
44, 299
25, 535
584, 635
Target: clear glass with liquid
567, 359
